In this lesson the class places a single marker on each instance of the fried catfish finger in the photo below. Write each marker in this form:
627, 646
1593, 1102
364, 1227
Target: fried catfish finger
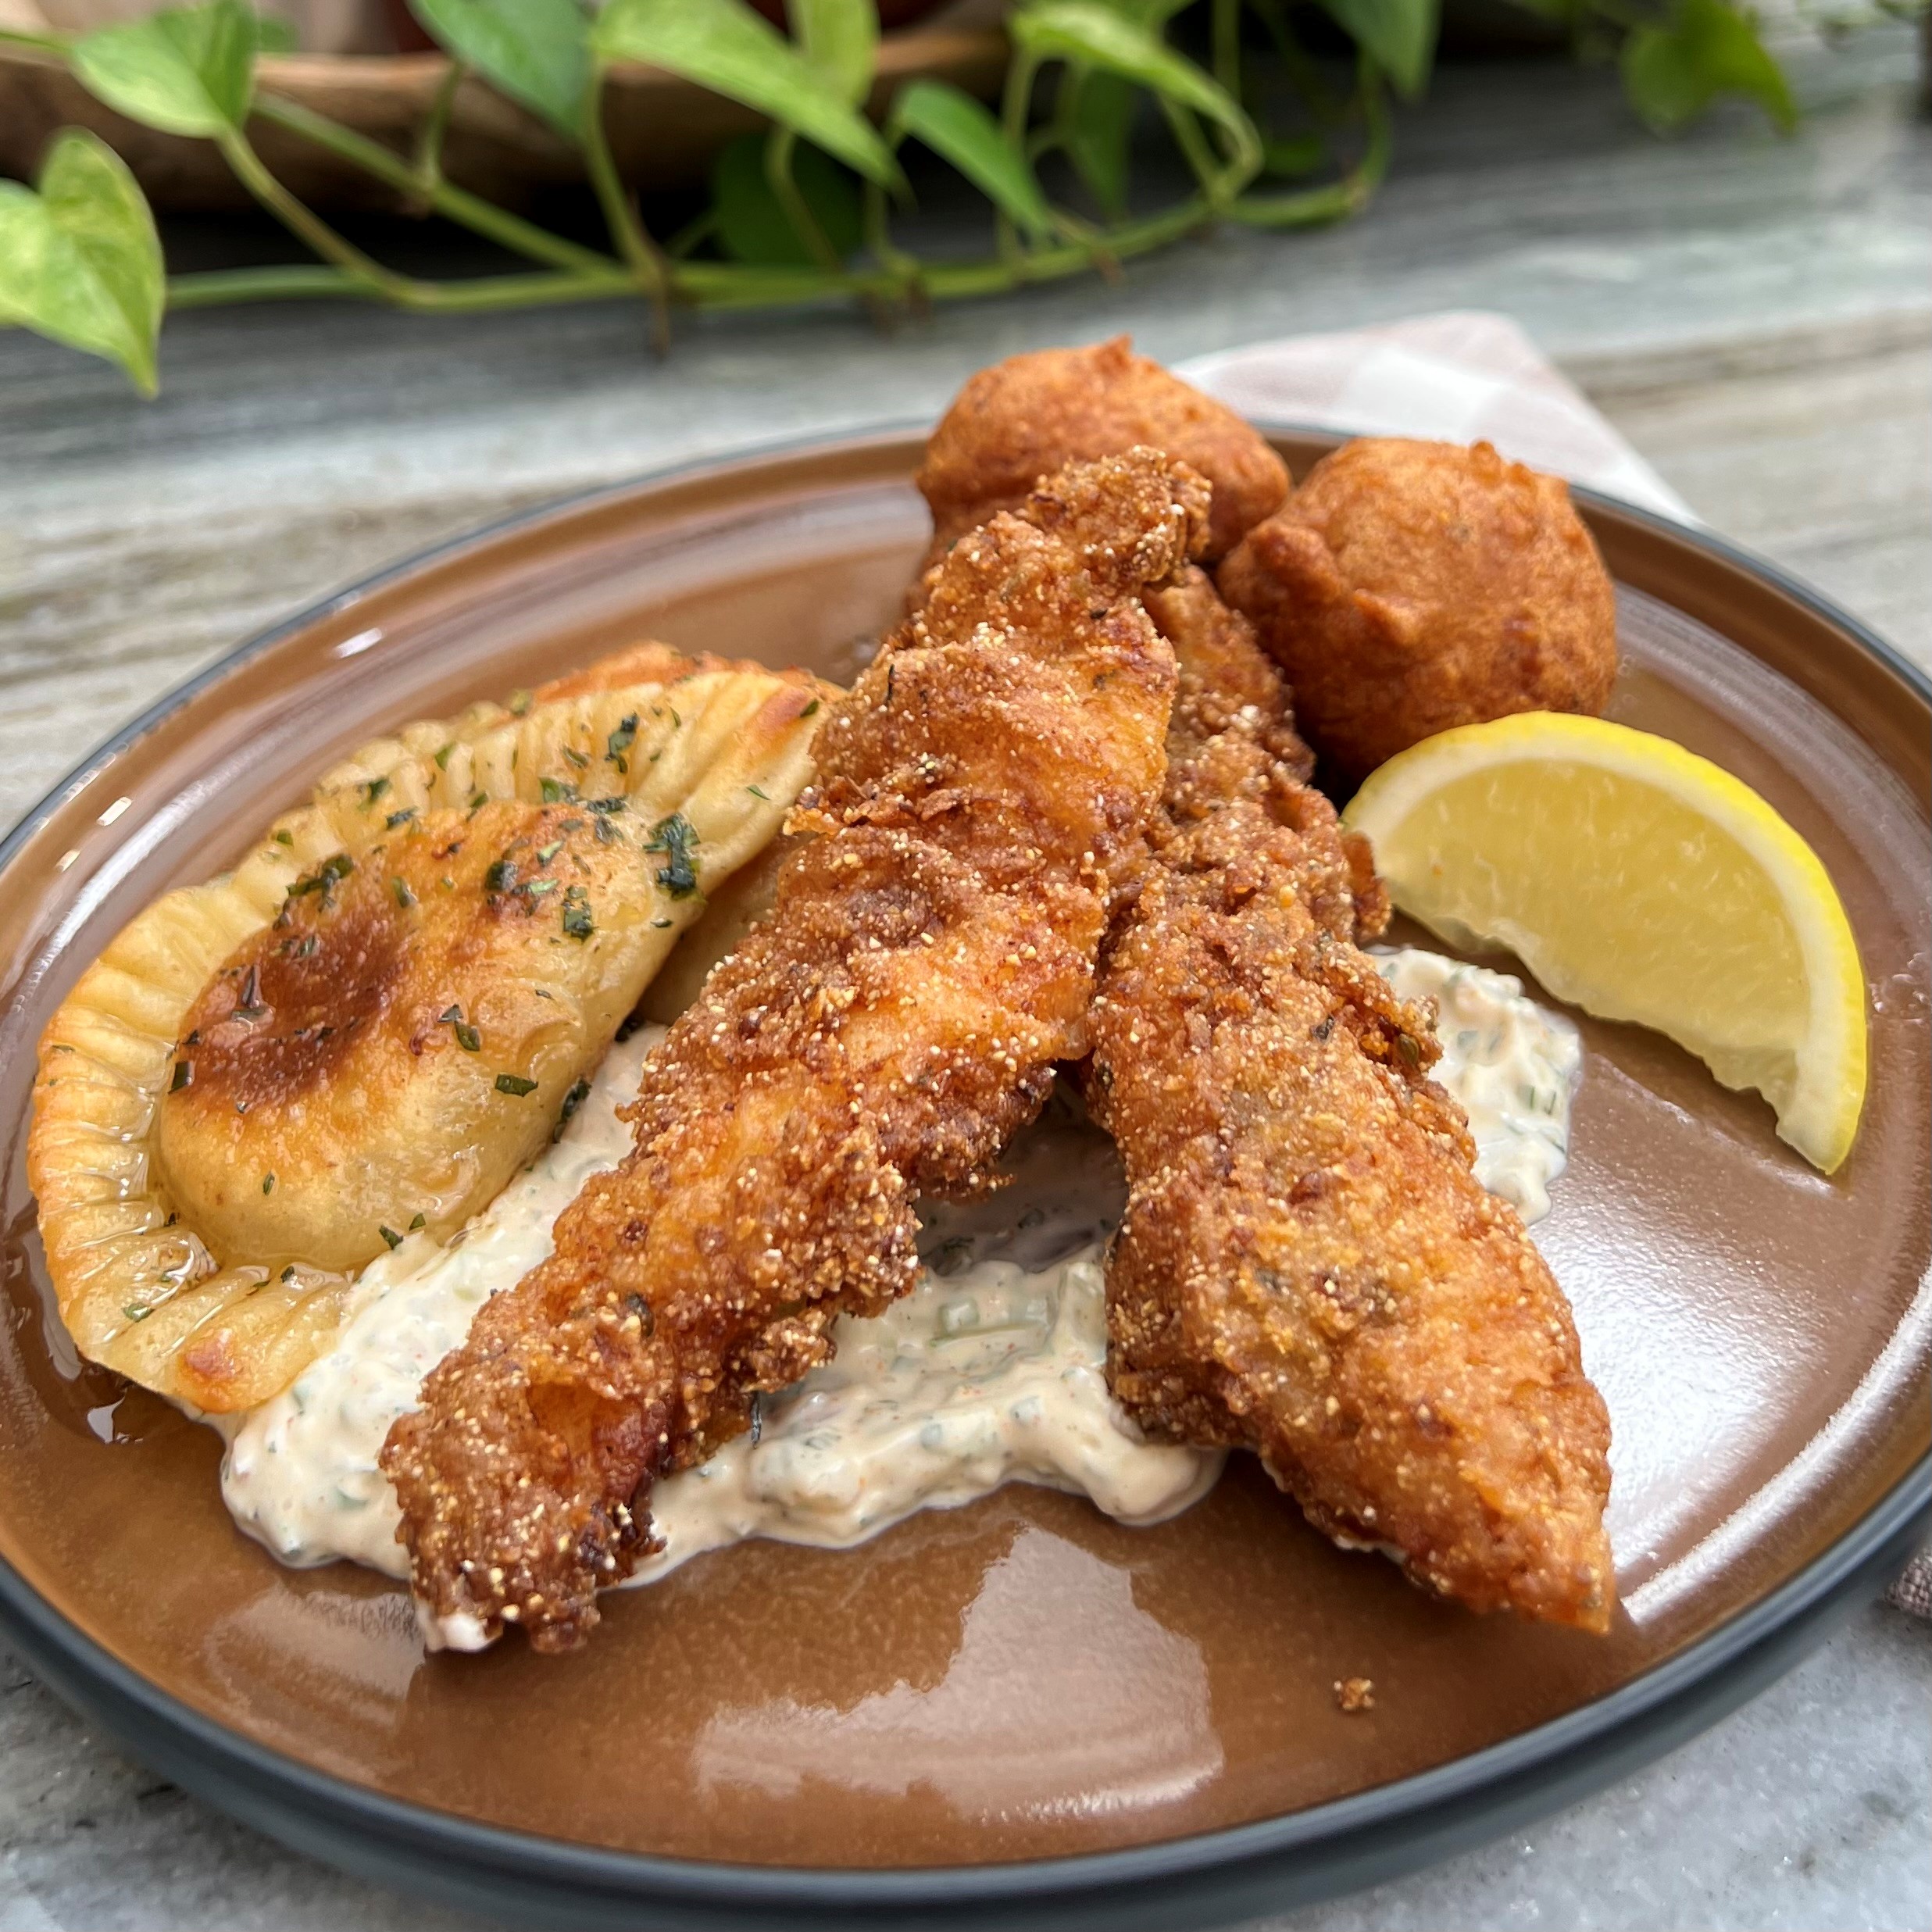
928, 960
1308, 1265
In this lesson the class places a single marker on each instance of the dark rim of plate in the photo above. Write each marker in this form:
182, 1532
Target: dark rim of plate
1630, 1724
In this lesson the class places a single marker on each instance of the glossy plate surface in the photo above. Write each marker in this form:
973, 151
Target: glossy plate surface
1021, 1680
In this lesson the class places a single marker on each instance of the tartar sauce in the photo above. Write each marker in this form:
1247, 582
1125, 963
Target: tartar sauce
991, 1370
1513, 1066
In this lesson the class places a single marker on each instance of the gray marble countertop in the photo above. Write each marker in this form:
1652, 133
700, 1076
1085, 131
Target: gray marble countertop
1755, 314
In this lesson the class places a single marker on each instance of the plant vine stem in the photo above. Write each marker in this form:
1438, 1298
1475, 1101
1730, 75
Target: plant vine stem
252, 173
1336, 200
647, 261
780, 145
304, 281
1227, 46
428, 167
1193, 148
1014, 104
480, 217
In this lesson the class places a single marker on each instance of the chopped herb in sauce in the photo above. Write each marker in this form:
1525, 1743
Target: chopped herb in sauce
284, 838
572, 1101
400, 818
268, 1184
519, 703
556, 791
389, 1236
578, 921
372, 791
501, 876
417, 1225
621, 741
405, 898
442, 757
515, 1084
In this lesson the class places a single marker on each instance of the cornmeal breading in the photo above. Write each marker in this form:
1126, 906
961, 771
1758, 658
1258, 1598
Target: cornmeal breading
929, 960
1308, 1265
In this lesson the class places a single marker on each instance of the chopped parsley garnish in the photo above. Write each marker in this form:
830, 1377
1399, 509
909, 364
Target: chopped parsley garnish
519, 703
372, 791
324, 878
390, 1235
756, 794
467, 1037
249, 1006
677, 838
515, 1084
617, 803
577, 920
501, 876
556, 792
810, 708
136, 1311
442, 757
621, 741
284, 838
418, 1224
546, 853
580, 759
405, 898
268, 1184
400, 818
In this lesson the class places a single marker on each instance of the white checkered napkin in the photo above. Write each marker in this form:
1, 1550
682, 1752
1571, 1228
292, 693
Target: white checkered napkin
1463, 376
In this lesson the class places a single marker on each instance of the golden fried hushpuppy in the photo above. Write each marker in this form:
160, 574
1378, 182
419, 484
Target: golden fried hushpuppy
1408, 587
1029, 415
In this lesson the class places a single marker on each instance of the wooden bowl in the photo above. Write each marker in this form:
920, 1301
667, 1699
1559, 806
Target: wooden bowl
662, 130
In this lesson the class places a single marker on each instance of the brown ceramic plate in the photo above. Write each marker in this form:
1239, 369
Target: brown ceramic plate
1021, 1706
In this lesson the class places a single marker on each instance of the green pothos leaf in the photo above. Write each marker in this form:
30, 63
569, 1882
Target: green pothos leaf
723, 45
1399, 35
534, 51
840, 38
1672, 72
959, 129
80, 261
753, 225
186, 70
1091, 32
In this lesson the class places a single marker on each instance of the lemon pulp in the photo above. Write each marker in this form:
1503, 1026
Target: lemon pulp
1641, 883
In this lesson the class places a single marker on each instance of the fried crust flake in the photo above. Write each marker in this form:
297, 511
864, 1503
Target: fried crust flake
929, 960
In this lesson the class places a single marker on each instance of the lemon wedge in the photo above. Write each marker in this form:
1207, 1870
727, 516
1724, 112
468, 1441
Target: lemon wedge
1639, 882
